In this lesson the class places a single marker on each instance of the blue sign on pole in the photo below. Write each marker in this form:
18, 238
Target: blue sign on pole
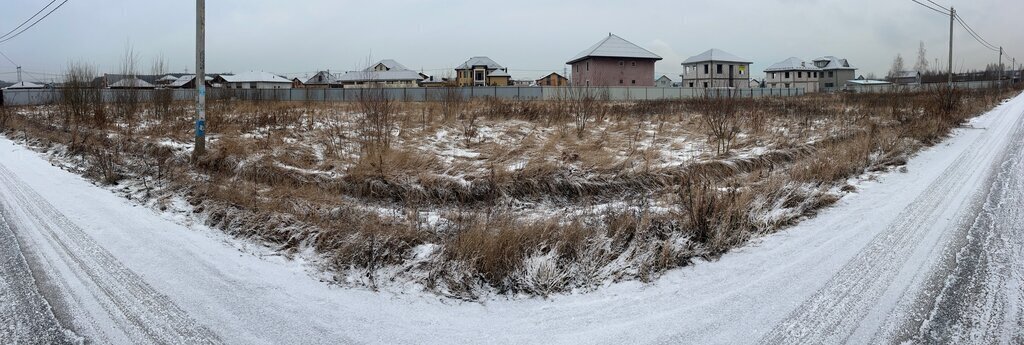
200, 128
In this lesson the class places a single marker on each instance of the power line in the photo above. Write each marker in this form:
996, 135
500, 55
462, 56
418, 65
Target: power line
943, 11
29, 19
937, 4
36, 22
9, 59
975, 34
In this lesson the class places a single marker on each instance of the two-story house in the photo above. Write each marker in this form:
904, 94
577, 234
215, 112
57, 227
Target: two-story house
835, 72
481, 71
716, 69
614, 62
793, 73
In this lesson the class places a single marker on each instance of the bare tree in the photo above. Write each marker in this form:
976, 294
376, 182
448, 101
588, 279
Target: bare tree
80, 99
897, 67
127, 98
922, 59
162, 97
377, 121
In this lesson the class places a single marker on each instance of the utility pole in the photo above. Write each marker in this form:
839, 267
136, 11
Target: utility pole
952, 16
200, 147
1000, 68
19, 76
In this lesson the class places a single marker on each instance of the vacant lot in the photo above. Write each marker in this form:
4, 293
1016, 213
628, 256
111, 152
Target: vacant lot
468, 198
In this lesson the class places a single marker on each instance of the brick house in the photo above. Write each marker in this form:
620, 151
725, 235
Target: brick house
553, 79
614, 62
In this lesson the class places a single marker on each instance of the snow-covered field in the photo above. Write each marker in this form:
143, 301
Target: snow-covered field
884, 265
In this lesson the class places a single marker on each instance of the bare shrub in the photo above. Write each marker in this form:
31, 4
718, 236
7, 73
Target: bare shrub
376, 125
720, 116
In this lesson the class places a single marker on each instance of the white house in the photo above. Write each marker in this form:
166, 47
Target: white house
664, 81
716, 69
793, 73
256, 80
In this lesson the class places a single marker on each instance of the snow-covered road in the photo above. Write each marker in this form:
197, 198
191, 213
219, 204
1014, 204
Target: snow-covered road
935, 254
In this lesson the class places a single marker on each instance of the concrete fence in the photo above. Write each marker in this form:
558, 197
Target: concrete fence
419, 94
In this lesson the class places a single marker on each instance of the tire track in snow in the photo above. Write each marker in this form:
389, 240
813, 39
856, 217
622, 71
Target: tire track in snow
980, 296
140, 312
835, 311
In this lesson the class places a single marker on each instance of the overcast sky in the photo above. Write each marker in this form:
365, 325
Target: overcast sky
530, 37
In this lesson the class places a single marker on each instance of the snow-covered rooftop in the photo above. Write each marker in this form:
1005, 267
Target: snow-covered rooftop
185, 79
132, 83
479, 61
792, 64
615, 47
24, 85
501, 72
835, 63
715, 55
322, 77
255, 77
361, 76
389, 64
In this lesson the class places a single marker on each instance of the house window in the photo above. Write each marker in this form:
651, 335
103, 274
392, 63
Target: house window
829, 84
691, 84
252, 85
705, 85
787, 85
620, 81
634, 82
622, 63
588, 69
830, 74
785, 75
634, 63
718, 69
706, 69
773, 75
799, 74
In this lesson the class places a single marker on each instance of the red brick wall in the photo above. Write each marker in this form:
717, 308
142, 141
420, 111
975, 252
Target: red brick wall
608, 72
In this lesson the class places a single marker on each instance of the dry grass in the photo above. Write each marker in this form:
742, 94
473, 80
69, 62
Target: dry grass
512, 197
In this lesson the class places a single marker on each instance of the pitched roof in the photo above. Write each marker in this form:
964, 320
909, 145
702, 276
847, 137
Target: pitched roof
255, 77
23, 85
615, 47
390, 64
907, 74
322, 77
791, 64
834, 63
501, 72
715, 55
552, 73
185, 79
664, 77
169, 77
479, 61
364, 76
133, 83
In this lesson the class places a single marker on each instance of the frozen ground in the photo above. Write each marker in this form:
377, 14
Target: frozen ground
935, 254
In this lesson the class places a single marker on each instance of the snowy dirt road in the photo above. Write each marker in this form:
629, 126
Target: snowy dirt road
933, 255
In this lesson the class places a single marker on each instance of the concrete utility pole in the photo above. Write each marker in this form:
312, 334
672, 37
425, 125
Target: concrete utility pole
1000, 68
952, 16
200, 147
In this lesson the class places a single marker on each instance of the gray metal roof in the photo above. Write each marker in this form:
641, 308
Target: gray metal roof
322, 78
23, 85
716, 55
390, 64
255, 77
835, 63
501, 72
479, 61
365, 76
133, 83
185, 79
615, 47
792, 64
